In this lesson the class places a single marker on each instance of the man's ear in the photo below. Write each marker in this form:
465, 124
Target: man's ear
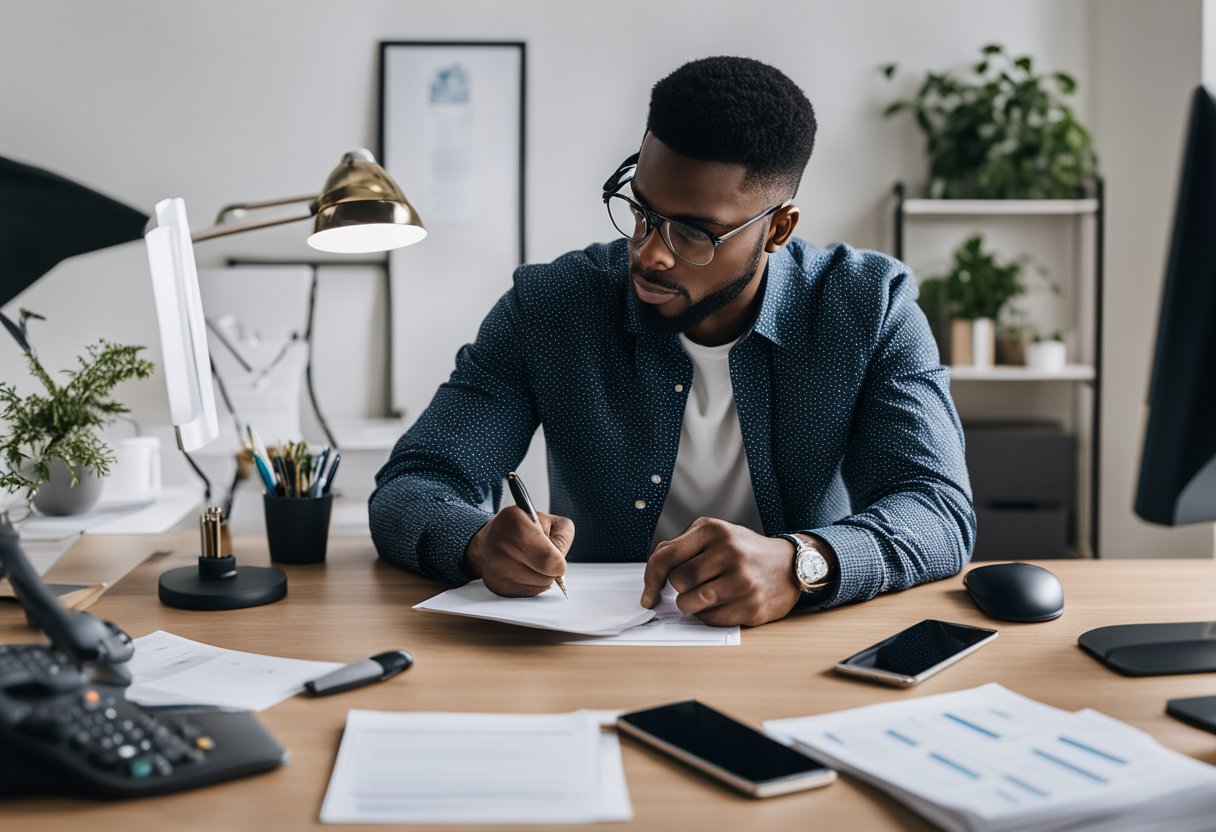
781, 228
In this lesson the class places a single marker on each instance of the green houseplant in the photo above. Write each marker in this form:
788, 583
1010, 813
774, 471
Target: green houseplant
969, 298
53, 435
1002, 131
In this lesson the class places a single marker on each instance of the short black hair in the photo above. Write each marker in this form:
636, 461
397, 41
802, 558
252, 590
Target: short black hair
738, 110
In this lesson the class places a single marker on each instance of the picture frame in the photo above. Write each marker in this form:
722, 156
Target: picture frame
452, 134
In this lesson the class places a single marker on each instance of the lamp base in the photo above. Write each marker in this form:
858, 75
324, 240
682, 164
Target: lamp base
217, 584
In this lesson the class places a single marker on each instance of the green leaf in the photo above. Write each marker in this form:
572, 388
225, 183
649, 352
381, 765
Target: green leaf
896, 107
992, 49
1023, 63
889, 70
980, 68
1067, 83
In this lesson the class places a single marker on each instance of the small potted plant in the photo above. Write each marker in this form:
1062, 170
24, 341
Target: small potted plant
1002, 132
51, 449
971, 295
1047, 353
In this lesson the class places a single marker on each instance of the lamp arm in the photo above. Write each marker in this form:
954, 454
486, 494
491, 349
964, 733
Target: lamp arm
241, 207
238, 228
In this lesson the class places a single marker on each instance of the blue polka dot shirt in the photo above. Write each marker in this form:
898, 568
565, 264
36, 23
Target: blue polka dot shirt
845, 409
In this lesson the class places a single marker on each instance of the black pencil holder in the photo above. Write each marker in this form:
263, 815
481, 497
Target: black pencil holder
297, 528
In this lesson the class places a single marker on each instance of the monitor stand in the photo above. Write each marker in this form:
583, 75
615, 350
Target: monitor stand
1161, 650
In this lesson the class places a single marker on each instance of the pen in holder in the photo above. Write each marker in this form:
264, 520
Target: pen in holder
217, 583
298, 498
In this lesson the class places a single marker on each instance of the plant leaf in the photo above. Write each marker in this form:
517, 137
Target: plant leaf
16, 332
889, 70
1068, 84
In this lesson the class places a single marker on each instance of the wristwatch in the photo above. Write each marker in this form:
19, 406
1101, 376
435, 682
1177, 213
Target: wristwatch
810, 566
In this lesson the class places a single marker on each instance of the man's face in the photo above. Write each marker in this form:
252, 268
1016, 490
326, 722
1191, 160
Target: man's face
676, 296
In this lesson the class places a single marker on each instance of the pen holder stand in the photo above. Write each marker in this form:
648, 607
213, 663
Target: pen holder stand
217, 584
297, 528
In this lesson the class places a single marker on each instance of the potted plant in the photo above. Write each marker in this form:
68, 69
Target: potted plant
1047, 353
971, 296
51, 449
1002, 131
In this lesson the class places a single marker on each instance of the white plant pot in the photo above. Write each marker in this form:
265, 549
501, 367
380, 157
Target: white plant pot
1046, 356
983, 342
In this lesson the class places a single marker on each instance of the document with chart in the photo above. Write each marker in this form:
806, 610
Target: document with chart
988, 758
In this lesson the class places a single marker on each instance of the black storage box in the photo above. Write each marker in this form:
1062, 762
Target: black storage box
1023, 481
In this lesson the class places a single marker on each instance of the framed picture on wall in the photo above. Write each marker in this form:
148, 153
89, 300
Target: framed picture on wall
452, 129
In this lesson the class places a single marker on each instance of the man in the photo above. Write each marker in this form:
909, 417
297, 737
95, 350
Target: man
765, 423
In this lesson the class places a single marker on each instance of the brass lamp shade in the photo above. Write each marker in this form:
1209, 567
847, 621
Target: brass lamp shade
361, 209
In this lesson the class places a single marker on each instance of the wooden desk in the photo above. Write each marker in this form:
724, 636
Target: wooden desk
355, 605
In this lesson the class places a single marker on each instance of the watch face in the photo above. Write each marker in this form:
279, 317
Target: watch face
812, 567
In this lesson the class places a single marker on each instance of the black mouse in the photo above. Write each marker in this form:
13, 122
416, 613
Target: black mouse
1016, 592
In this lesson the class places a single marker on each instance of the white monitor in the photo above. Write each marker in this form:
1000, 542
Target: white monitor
183, 330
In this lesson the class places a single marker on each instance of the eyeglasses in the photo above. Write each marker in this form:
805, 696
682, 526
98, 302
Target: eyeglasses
693, 245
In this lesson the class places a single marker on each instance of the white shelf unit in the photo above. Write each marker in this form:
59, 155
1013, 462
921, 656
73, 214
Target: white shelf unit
1003, 372
1077, 388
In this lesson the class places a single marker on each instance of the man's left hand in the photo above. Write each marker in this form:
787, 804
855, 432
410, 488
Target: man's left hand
726, 575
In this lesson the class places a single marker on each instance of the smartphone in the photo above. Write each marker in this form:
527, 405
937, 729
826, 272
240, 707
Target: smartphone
715, 744
916, 653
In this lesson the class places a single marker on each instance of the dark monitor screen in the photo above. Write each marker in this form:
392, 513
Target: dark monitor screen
1178, 463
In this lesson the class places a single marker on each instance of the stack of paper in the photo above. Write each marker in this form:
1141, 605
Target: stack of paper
989, 759
603, 602
477, 768
604, 606
668, 628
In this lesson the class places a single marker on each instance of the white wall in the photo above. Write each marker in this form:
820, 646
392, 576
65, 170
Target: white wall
1147, 58
231, 99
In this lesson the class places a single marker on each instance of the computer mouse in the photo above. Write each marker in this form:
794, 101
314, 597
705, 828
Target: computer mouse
1016, 592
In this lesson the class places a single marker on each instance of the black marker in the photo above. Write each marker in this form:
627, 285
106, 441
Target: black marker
376, 669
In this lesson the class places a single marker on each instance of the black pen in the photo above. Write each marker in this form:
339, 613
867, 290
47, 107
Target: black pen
329, 478
525, 502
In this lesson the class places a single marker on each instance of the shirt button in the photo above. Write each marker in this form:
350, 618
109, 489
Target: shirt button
656, 479
679, 388
639, 504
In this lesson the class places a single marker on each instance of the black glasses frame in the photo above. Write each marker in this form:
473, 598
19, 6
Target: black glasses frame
622, 177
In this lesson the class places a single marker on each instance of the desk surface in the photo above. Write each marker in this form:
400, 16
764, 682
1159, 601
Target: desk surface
355, 605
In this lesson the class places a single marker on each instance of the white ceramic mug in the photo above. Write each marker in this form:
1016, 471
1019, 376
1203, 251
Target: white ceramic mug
135, 476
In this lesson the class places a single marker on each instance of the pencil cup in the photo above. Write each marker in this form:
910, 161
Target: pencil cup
297, 528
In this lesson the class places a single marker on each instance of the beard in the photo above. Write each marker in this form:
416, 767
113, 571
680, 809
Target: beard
656, 321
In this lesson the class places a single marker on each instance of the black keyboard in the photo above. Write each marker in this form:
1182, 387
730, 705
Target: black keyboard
61, 734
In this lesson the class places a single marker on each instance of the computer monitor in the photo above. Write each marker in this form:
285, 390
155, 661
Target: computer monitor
183, 329
1178, 463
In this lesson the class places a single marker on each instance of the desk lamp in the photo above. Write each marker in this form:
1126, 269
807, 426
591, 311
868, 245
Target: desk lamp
360, 210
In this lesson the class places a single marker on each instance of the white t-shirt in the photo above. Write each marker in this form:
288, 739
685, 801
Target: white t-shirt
711, 478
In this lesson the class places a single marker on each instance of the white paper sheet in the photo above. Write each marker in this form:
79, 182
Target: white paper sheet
605, 600
476, 768
171, 670
668, 628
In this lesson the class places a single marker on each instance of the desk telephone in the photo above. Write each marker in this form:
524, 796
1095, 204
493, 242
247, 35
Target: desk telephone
66, 727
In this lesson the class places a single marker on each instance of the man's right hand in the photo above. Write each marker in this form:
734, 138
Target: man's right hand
515, 557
